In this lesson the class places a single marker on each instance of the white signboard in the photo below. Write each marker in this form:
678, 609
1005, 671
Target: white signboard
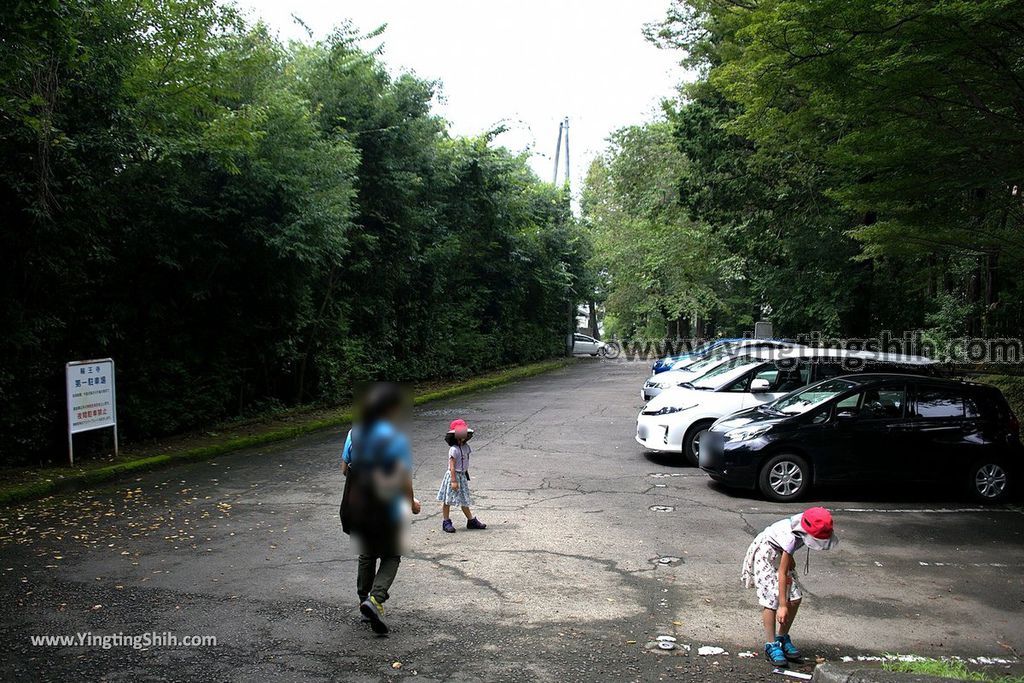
91, 397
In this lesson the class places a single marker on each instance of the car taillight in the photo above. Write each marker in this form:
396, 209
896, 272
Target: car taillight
1014, 423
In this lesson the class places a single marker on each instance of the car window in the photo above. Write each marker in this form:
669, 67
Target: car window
938, 404
705, 363
786, 378
740, 386
876, 403
780, 380
794, 378
809, 398
827, 368
971, 408
710, 379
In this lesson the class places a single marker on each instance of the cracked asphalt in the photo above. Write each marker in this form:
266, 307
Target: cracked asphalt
565, 585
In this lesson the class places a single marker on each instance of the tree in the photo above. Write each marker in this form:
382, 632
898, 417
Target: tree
912, 109
242, 224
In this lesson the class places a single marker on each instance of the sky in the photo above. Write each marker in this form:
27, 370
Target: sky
524, 64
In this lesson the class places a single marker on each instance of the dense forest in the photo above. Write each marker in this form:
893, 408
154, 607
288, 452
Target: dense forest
842, 167
243, 224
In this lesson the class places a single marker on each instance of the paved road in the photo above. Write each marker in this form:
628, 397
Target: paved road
565, 585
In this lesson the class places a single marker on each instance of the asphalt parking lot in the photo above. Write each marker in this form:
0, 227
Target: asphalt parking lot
594, 549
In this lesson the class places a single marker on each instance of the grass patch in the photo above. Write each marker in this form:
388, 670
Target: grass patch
44, 482
948, 669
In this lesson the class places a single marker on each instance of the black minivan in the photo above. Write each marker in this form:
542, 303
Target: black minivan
871, 428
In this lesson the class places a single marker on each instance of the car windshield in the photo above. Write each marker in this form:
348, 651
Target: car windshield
807, 399
705, 364
713, 378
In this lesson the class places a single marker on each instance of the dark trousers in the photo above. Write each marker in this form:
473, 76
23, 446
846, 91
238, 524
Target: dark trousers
374, 580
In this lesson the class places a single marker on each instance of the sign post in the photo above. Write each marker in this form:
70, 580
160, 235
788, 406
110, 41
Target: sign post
92, 399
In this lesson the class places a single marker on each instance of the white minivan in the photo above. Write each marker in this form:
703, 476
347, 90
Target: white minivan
675, 420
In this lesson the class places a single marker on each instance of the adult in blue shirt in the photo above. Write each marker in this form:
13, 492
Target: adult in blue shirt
381, 451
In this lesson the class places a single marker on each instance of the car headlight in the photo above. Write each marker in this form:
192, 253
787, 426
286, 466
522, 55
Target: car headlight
668, 410
746, 433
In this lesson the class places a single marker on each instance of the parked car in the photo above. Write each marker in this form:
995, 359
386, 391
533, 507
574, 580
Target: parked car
584, 345
719, 347
719, 361
668, 362
870, 428
675, 420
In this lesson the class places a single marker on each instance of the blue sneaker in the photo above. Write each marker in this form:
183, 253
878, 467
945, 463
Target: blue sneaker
374, 611
774, 654
788, 648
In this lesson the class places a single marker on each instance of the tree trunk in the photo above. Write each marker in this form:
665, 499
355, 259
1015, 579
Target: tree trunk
991, 291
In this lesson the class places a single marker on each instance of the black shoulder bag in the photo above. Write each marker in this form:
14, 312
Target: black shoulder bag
363, 511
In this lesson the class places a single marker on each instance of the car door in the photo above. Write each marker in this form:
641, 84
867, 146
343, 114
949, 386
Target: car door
864, 441
938, 425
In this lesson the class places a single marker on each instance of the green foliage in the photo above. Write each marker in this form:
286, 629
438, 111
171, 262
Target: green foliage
239, 222
659, 265
862, 161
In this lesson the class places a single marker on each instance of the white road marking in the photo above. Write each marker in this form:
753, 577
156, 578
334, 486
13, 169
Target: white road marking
925, 511
918, 658
714, 650
1000, 565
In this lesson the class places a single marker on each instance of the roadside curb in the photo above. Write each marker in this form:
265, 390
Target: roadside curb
859, 673
101, 475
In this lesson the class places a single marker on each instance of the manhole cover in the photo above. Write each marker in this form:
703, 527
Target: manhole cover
661, 508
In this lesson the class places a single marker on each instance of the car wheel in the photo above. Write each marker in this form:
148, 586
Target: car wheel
785, 477
989, 481
691, 441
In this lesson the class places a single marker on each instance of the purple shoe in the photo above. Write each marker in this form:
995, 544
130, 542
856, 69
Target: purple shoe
475, 524
448, 527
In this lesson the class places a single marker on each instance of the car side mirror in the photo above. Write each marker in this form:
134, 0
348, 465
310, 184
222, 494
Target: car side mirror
759, 386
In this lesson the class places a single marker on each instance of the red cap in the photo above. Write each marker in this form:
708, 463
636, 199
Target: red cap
817, 522
457, 425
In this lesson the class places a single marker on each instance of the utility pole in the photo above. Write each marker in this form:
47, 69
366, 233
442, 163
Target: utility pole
563, 127
558, 150
567, 176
